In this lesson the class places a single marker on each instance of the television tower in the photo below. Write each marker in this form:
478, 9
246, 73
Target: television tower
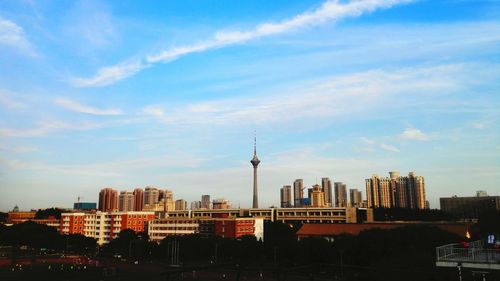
255, 162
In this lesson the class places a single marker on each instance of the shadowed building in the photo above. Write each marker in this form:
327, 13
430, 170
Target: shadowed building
340, 195
326, 185
470, 207
286, 196
138, 199
355, 197
205, 202
298, 192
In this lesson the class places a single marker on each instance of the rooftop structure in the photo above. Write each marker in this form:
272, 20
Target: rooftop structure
472, 255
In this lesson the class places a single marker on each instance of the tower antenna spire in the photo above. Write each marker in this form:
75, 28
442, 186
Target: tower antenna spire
254, 142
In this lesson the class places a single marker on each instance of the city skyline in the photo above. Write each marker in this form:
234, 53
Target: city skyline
95, 94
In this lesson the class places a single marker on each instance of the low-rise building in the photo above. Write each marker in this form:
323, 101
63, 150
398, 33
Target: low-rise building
470, 207
104, 226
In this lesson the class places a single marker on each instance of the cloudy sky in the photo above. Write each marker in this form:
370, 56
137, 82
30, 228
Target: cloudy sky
94, 94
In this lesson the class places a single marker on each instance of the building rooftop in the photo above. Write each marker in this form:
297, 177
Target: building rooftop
355, 229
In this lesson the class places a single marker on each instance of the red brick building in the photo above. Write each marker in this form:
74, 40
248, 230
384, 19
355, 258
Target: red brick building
236, 227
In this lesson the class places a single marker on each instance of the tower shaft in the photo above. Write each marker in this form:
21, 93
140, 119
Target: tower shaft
255, 204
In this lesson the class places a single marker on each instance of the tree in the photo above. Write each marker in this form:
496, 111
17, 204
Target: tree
50, 212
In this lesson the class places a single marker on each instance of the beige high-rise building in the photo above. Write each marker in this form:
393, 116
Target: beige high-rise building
396, 191
385, 192
151, 196
219, 204
340, 195
286, 196
317, 196
298, 192
372, 191
326, 185
356, 198
195, 205
126, 201
180, 205
167, 197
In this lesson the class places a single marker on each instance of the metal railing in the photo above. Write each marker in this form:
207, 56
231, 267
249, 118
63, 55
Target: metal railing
475, 253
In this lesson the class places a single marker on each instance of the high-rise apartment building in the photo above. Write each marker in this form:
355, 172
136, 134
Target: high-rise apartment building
298, 192
286, 196
205, 202
138, 199
167, 197
151, 196
180, 205
317, 197
195, 205
108, 200
326, 185
396, 191
126, 201
355, 197
340, 195
220, 204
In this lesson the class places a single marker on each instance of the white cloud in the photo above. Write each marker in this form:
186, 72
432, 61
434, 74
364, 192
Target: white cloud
109, 75
389, 147
328, 11
77, 107
13, 35
413, 134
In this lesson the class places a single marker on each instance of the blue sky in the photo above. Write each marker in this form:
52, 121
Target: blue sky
96, 94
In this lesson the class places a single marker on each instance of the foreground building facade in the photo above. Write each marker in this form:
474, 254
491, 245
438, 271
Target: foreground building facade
104, 226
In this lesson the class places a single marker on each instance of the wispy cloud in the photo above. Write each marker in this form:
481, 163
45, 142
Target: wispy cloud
339, 96
18, 149
47, 128
112, 168
389, 147
414, 134
13, 35
7, 101
77, 107
327, 12
111, 74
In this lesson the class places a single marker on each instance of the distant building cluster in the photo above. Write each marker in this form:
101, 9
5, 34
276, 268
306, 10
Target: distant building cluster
396, 191
148, 199
323, 195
